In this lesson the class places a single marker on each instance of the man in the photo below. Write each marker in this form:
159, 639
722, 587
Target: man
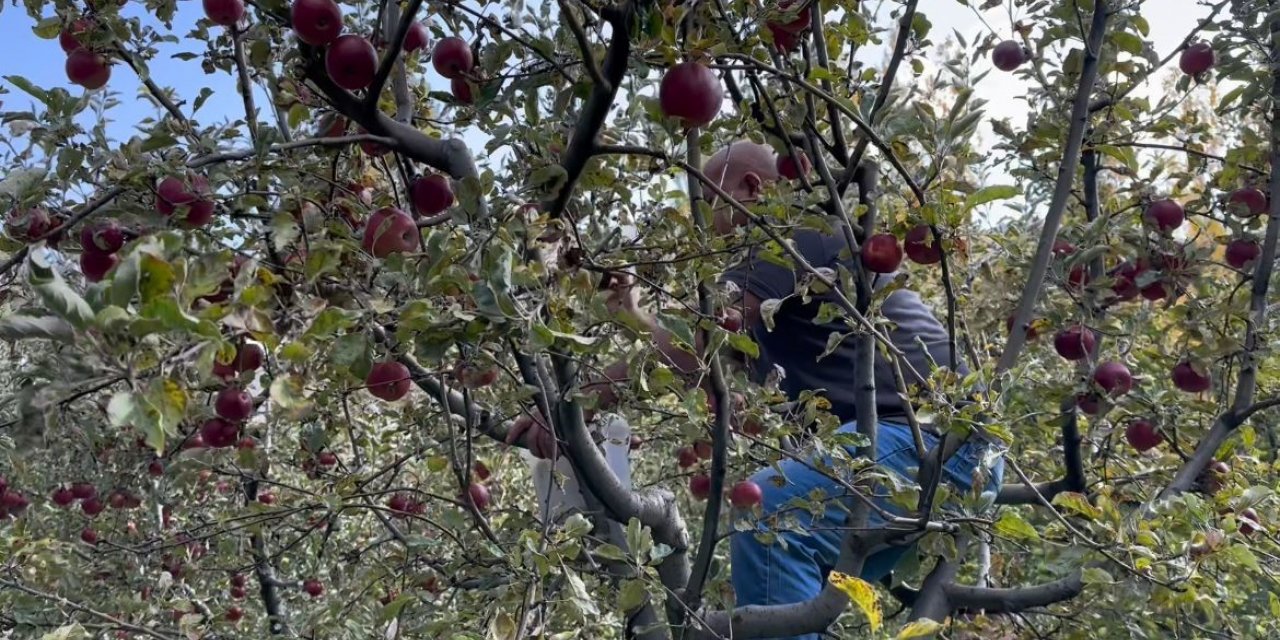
792, 567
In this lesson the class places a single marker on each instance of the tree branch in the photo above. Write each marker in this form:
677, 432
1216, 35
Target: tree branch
245, 154
246, 86
886, 86
389, 58
588, 59
88, 210
583, 141
1061, 191
992, 600
1247, 380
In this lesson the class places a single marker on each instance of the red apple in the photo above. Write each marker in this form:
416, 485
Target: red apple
237, 593
89, 536
1062, 248
794, 165
313, 587
416, 38
155, 468
389, 231
481, 470
478, 494
246, 443
431, 194
1164, 215
351, 62
881, 253
1143, 435
1114, 378
746, 494
92, 507
700, 486
116, 499
104, 237
388, 381
84, 491
27, 225
72, 36
1241, 252
1215, 476
1074, 343
95, 266
88, 69
1009, 55
686, 457
635, 443
327, 459
473, 376
786, 35
1125, 281
691, 93
398, 503
1158, 290
218, 433
730, 319
920, 246
224, 12
317, 22
1247, 202
461, 90
234, 404
267, 497
1078, 278
1197, 58
1249, 521
702, 449
1031, 332
452, 57
1187, 377
62, 497
234, 614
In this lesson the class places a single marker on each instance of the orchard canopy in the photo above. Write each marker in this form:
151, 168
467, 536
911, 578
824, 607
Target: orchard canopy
278, 280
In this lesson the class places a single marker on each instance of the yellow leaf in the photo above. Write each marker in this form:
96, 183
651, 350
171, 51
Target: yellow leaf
922, 628
862, 594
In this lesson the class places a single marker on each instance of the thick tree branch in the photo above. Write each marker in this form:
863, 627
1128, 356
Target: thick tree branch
810, 616
719, 391
1017, 599
268, 586
450, 156
389, 58
1247, 380
246, 85
1061, 191
583, 141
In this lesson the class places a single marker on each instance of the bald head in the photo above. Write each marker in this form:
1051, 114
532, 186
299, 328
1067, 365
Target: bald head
742, 170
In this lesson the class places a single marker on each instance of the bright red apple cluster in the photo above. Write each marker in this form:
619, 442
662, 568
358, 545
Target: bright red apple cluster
85, 66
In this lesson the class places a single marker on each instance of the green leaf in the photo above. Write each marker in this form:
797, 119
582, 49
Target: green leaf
1094, 575
677, 327
298, 114
632, 595
1078, 504
205, 92
18, 327
392, 609
156, 278
288, 393
1127, 42
48, 28
31, 89
990, 194
69, 632
610, 552
743, 342
124, 282
1012, 525
56, 294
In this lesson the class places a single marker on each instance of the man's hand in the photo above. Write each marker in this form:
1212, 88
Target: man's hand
532, 432
623, 295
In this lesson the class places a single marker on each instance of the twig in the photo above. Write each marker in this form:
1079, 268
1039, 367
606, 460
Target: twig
588, 58
244, 154
83, 609
389, 58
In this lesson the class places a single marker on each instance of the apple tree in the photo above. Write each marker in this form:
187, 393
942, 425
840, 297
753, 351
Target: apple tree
262, 368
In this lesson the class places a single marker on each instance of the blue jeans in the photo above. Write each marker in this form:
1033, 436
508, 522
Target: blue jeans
794, 567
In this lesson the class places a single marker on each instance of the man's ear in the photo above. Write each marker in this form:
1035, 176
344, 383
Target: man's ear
753, 183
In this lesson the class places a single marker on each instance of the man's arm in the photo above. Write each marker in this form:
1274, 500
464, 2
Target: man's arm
664, 341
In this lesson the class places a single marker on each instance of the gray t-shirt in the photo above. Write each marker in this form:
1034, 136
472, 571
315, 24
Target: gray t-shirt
797, 339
